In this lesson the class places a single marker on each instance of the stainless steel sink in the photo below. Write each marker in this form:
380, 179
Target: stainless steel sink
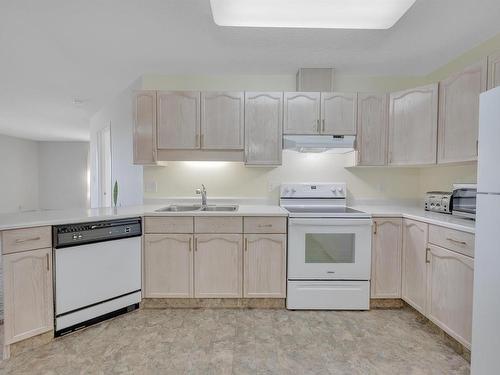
195, 207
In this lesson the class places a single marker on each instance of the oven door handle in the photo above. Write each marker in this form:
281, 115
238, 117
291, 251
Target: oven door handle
322, 222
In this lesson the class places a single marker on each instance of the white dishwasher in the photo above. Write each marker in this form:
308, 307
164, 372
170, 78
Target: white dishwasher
97, 272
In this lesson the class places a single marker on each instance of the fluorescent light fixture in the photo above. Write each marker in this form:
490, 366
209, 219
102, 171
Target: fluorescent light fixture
322, 14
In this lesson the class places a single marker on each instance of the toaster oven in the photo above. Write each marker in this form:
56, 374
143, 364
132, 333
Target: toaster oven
438, 201
464, 200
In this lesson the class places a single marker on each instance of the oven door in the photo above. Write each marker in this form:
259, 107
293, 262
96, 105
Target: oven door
329, 249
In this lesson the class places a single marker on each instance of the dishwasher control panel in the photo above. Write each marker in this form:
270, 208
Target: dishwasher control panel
86, 233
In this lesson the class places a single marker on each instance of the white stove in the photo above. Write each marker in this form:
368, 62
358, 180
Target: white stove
329, 248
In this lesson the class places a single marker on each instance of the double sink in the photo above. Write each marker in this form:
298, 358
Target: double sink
200, 208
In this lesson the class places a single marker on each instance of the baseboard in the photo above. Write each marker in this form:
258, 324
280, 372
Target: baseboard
213, 303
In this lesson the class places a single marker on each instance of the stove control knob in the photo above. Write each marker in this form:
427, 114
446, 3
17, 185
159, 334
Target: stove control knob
340, 190
293, 191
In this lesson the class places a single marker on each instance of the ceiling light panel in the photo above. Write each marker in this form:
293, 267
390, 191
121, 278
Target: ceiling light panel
323, 14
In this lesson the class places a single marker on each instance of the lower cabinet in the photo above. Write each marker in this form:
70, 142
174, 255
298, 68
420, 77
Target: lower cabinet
414, 276
28, 294
168, 265
449, 295
386, 258
265, 266
218, 266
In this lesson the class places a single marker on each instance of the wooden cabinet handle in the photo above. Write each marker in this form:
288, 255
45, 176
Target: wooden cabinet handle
318, 127
27, 239
195, 244
375, 227
427, 259
456, 241
246, 244
201, 140
48, 261
190, 243
323, 128
265, 225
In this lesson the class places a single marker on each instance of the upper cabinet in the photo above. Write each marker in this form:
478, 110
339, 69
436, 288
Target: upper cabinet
263, 128
413, 118
332, 113
301, 113
459, 114
222, 120
178, 119
494, 70
372, 129
144, 127
338, 113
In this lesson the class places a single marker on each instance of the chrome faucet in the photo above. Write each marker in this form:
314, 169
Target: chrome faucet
203, 192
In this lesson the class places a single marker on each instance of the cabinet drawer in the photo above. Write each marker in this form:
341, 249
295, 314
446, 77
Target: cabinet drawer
16, 240
171, 224
264, 225
451, 239
217, 224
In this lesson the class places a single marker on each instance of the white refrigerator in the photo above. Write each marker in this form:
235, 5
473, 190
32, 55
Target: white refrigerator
486, 311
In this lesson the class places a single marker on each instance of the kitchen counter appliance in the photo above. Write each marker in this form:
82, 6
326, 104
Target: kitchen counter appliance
438, 201
97, 271
329, 248
464, 200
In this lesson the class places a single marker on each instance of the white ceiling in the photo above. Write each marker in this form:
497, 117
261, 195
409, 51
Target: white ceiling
52, 51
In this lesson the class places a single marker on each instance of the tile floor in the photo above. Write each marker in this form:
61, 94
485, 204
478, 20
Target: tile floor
211, 341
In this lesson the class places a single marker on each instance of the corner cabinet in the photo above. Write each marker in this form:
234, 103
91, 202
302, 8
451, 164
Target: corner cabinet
263, 128
450, 278
459, 114
372, 129
301, 113
386, 258
178, 119
222, 120
414, 276
218, 266
144, 127
413, 116
494, 70
28, 294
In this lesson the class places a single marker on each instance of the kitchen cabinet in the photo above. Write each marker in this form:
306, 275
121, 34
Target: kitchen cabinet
459, 114
28, 294
372, 129
144, 127
222, 120
218, 266
301, 113
339, 113
450, 279
265, 266
414, 273
413, 118
263, 128
168, 265
386, 258
494, 70
178, 119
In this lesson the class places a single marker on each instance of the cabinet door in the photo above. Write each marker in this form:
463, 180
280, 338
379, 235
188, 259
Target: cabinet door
168, 265
263, 128
372, 129
178, 119
222, 118
386, 258
449, 292
339, 113
28, 294
301, 114
413, 126
145, 127
265, 266
459, 114
218, 266
494, 70
414, 264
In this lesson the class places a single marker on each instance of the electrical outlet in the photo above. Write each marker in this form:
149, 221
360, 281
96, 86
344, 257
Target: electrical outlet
151, 187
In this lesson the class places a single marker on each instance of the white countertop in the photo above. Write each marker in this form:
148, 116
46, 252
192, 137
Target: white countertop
419, 214
56, 217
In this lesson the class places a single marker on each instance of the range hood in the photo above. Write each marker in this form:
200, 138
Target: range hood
338, 144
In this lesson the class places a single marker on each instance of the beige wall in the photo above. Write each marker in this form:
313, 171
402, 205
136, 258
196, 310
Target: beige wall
234, 179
